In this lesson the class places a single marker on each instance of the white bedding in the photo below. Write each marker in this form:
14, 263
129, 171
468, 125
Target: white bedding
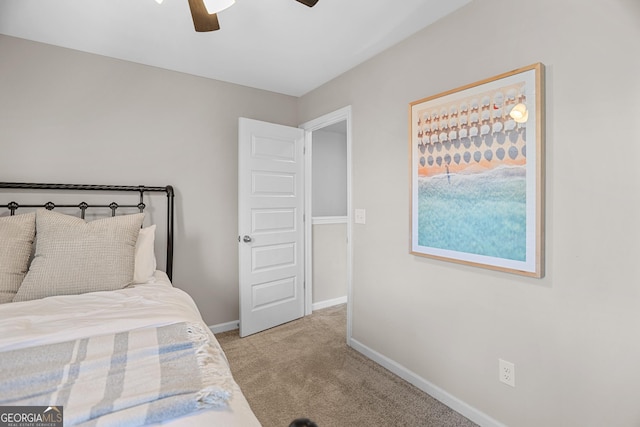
63, 318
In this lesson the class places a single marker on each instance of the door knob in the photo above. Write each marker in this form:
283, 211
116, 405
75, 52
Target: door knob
246, 239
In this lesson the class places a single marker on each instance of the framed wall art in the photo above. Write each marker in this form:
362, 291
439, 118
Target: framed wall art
477, 173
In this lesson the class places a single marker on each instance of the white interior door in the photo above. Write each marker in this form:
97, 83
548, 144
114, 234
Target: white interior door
270, 224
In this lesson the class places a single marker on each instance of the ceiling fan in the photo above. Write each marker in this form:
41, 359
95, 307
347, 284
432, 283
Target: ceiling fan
204, 21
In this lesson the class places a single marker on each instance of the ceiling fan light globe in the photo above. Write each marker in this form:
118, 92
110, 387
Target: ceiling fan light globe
215, 6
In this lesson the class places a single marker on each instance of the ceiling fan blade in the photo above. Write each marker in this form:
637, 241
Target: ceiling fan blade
309, 3
202, 20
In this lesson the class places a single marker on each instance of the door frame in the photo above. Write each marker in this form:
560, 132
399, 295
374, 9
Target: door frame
343, 114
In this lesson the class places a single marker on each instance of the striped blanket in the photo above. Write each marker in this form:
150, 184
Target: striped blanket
131, 378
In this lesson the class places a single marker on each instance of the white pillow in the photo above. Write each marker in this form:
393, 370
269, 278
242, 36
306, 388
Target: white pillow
145, 255
16, 239
74, 257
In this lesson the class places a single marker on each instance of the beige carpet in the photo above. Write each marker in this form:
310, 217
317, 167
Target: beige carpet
305, 369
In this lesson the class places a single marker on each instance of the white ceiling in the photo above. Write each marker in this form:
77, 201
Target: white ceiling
276, 45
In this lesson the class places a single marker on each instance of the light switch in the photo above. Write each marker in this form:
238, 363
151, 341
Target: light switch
360, 216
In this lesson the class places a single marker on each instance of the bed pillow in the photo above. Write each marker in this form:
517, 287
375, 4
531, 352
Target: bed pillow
74, 257
16, 238
145, 263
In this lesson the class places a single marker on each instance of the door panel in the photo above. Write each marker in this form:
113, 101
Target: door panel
270, 224
274, 292
273, 257
272, 184
273, 220
273, 149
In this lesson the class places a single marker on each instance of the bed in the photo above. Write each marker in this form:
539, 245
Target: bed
92, 331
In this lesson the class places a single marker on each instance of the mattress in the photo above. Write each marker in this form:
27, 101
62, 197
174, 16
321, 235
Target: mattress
152, 304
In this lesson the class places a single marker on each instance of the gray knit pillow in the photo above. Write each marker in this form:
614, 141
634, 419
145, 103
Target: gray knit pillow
75, 257
16, 238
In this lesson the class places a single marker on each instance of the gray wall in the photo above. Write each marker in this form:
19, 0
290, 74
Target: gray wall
329, 174
329, 262
73, 117
329, 201
574, 335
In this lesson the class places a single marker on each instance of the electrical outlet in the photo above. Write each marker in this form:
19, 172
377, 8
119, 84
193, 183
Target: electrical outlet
507, 372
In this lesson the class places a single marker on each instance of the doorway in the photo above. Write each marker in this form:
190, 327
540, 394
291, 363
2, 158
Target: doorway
328, 249
275, 217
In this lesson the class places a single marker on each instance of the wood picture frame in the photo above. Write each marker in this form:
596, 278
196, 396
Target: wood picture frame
477, 173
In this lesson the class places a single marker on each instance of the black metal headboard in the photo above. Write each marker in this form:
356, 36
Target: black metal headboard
83, 206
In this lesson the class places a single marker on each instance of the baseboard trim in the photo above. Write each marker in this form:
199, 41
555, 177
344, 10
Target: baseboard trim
225, 327
231, 326
328, 303
431, 389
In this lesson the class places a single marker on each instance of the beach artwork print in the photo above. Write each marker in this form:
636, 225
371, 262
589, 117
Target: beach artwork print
476, 173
